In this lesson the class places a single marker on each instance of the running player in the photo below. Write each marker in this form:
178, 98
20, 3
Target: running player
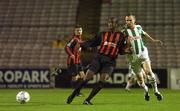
139, 59
104, 61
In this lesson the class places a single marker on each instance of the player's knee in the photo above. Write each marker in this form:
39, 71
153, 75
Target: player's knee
141, 83
81, 75
89, 75
152, 78
151, 75
104, 77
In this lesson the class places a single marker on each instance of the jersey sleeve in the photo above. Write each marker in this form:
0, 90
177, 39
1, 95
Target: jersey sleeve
142, 32
94, 42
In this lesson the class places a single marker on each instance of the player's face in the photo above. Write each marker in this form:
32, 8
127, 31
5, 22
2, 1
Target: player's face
78, 31
112, 24
130, 21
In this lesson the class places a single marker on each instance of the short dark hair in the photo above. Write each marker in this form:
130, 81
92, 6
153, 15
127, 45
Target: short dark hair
130, 14
113, 19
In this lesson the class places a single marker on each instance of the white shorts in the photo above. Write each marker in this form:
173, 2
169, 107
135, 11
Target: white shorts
136, 60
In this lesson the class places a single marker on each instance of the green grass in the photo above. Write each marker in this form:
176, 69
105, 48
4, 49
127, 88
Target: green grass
106, 100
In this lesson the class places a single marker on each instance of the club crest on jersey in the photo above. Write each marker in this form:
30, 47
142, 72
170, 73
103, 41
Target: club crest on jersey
110, 44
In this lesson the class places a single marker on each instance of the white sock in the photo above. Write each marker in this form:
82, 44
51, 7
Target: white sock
144, 87
154, 83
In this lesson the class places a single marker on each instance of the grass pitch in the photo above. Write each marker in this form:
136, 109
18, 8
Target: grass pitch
106, 100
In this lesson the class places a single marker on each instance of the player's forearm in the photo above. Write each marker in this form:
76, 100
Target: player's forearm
154, 40
149, 37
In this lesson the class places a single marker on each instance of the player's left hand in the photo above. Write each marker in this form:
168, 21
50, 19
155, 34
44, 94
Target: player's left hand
159, 41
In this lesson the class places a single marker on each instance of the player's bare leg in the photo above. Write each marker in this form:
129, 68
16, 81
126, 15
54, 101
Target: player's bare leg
152, 79
131, 81
142, 84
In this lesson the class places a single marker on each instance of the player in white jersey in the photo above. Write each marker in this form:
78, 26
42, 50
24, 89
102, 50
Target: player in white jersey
132, 80
139, 59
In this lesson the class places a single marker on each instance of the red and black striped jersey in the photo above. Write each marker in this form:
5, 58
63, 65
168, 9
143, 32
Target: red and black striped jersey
110, 43
73, 48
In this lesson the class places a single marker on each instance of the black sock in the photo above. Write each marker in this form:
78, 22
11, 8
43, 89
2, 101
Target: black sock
78, 88
95, 90
75, 84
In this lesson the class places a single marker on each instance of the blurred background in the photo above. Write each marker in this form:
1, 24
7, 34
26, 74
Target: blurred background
33, 34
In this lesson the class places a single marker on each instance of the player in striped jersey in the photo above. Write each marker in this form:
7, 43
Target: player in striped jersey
73, 50
104, 61
139, 59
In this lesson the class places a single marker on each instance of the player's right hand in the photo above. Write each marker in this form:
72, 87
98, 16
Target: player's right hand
73, 58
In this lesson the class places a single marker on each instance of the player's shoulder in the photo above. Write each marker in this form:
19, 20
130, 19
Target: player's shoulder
72, 40
138, 26
102, 33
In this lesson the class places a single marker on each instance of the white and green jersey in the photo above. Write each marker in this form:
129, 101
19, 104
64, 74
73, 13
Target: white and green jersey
137, 43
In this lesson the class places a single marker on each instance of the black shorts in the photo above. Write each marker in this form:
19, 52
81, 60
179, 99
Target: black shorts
74, 69
102, 64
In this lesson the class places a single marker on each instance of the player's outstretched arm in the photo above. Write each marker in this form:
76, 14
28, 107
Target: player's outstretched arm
153, 40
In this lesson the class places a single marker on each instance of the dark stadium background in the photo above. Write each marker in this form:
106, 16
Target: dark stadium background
29, 29
32, 38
